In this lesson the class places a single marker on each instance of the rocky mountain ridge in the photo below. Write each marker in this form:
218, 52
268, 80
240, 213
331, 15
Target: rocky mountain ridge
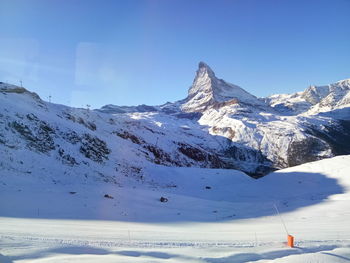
313, 100
218, 125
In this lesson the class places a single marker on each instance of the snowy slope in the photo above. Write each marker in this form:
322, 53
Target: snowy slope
93, 143
218, 125
232, 221
59, 139
64, 170
277, 132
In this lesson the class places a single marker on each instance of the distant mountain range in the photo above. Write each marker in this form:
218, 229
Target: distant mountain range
218, 125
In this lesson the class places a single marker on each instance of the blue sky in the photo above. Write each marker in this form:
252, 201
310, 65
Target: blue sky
132, 52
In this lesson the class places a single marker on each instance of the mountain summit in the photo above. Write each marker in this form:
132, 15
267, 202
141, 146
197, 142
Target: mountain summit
207, 90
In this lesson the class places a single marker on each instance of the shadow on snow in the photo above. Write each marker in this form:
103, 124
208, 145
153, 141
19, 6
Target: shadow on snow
229, 199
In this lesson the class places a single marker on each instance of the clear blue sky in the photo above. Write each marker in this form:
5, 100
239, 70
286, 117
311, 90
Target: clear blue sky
132, 52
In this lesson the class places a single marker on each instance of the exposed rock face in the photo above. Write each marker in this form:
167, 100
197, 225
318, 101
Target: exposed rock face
240, 156
37, 133
336, 135
306, 150
94, 148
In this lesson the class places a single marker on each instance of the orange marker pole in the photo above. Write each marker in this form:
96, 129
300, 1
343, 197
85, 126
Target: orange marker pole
290, 238
290, 241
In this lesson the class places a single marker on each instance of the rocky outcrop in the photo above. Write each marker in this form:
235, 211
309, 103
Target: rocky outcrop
37, 134
94, 148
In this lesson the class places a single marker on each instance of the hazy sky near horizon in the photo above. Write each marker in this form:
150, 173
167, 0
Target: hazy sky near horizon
132, 52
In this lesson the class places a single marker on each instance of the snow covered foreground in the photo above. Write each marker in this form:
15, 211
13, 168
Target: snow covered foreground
211, 216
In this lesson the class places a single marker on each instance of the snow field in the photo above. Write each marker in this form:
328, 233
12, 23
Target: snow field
193, 226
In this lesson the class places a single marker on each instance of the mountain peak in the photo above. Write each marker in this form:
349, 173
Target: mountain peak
337, 90
204, 67
204, 71
208, 90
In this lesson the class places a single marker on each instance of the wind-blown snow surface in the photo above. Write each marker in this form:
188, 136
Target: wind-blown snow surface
212, 215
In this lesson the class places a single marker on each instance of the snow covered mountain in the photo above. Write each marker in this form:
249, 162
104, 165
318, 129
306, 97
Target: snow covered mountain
218, 125
313, 100
207, 90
